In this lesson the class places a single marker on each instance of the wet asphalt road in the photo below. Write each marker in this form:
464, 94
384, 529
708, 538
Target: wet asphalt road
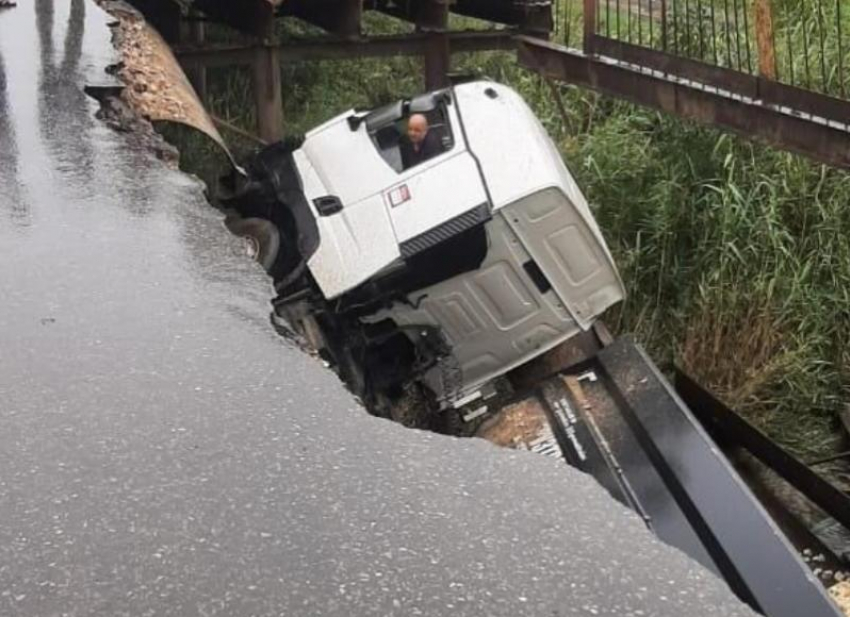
163, 452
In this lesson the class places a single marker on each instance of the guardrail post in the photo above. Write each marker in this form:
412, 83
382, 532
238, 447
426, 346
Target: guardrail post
764, 38
196, 35
433, 20
265, 73
589, 25
538, 19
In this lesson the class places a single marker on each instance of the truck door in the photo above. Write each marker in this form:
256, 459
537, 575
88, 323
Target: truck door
566, 252
435, 201
441, 196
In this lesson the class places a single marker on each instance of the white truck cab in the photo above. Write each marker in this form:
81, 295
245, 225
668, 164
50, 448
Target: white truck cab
449, 273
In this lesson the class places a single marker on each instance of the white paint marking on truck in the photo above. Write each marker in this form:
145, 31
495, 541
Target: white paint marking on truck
568, 418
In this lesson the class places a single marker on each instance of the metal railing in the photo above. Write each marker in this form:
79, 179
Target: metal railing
798, 43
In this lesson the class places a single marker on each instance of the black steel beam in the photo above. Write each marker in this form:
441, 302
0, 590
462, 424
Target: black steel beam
750, 119
335, 49
735, 430
666, 464
800, 536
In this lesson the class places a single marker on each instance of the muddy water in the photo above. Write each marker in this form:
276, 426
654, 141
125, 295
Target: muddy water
163, 452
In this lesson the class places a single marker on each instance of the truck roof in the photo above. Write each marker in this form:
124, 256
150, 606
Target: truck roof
516, 154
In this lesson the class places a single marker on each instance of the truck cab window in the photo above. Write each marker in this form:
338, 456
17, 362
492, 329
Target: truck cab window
408, 133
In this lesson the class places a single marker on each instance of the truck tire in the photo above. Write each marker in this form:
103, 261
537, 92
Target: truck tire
263, 238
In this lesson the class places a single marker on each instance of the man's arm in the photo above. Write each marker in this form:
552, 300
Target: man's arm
432, 146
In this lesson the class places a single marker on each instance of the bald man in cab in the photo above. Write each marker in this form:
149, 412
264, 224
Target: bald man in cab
419, 144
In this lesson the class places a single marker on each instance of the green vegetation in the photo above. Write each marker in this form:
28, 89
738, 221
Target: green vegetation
737, 260
736, 257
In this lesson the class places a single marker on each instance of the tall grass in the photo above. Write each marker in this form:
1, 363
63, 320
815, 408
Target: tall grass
737, 260
736, 256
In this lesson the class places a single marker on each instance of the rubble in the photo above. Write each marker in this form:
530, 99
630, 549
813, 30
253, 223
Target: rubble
840, 593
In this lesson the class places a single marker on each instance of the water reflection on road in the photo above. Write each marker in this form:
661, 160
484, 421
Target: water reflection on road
64, 123
11, 204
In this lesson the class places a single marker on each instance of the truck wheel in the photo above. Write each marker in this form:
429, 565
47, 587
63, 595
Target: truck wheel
262, 238
411, 409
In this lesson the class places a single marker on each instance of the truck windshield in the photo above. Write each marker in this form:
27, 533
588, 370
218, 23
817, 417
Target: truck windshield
409, 132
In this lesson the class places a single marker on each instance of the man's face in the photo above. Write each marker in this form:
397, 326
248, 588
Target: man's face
417, 128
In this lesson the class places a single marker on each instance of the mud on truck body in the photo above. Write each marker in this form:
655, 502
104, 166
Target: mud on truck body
445, 275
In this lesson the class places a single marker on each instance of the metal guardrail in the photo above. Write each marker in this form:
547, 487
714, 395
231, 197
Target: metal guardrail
774, 50
801, 43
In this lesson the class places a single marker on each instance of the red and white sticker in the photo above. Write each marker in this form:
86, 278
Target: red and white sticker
399, 195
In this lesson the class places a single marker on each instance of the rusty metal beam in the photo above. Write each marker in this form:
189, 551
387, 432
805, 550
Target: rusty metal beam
765, 38
195, 33
339, 17
423, 13
707, 74
164, 15
589, 36
428, 15
342, 17
531, 16
266, 77
437, 61
749, 118
268, 94
767, 91
432, 16
334, 48
433, 19
249, 16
